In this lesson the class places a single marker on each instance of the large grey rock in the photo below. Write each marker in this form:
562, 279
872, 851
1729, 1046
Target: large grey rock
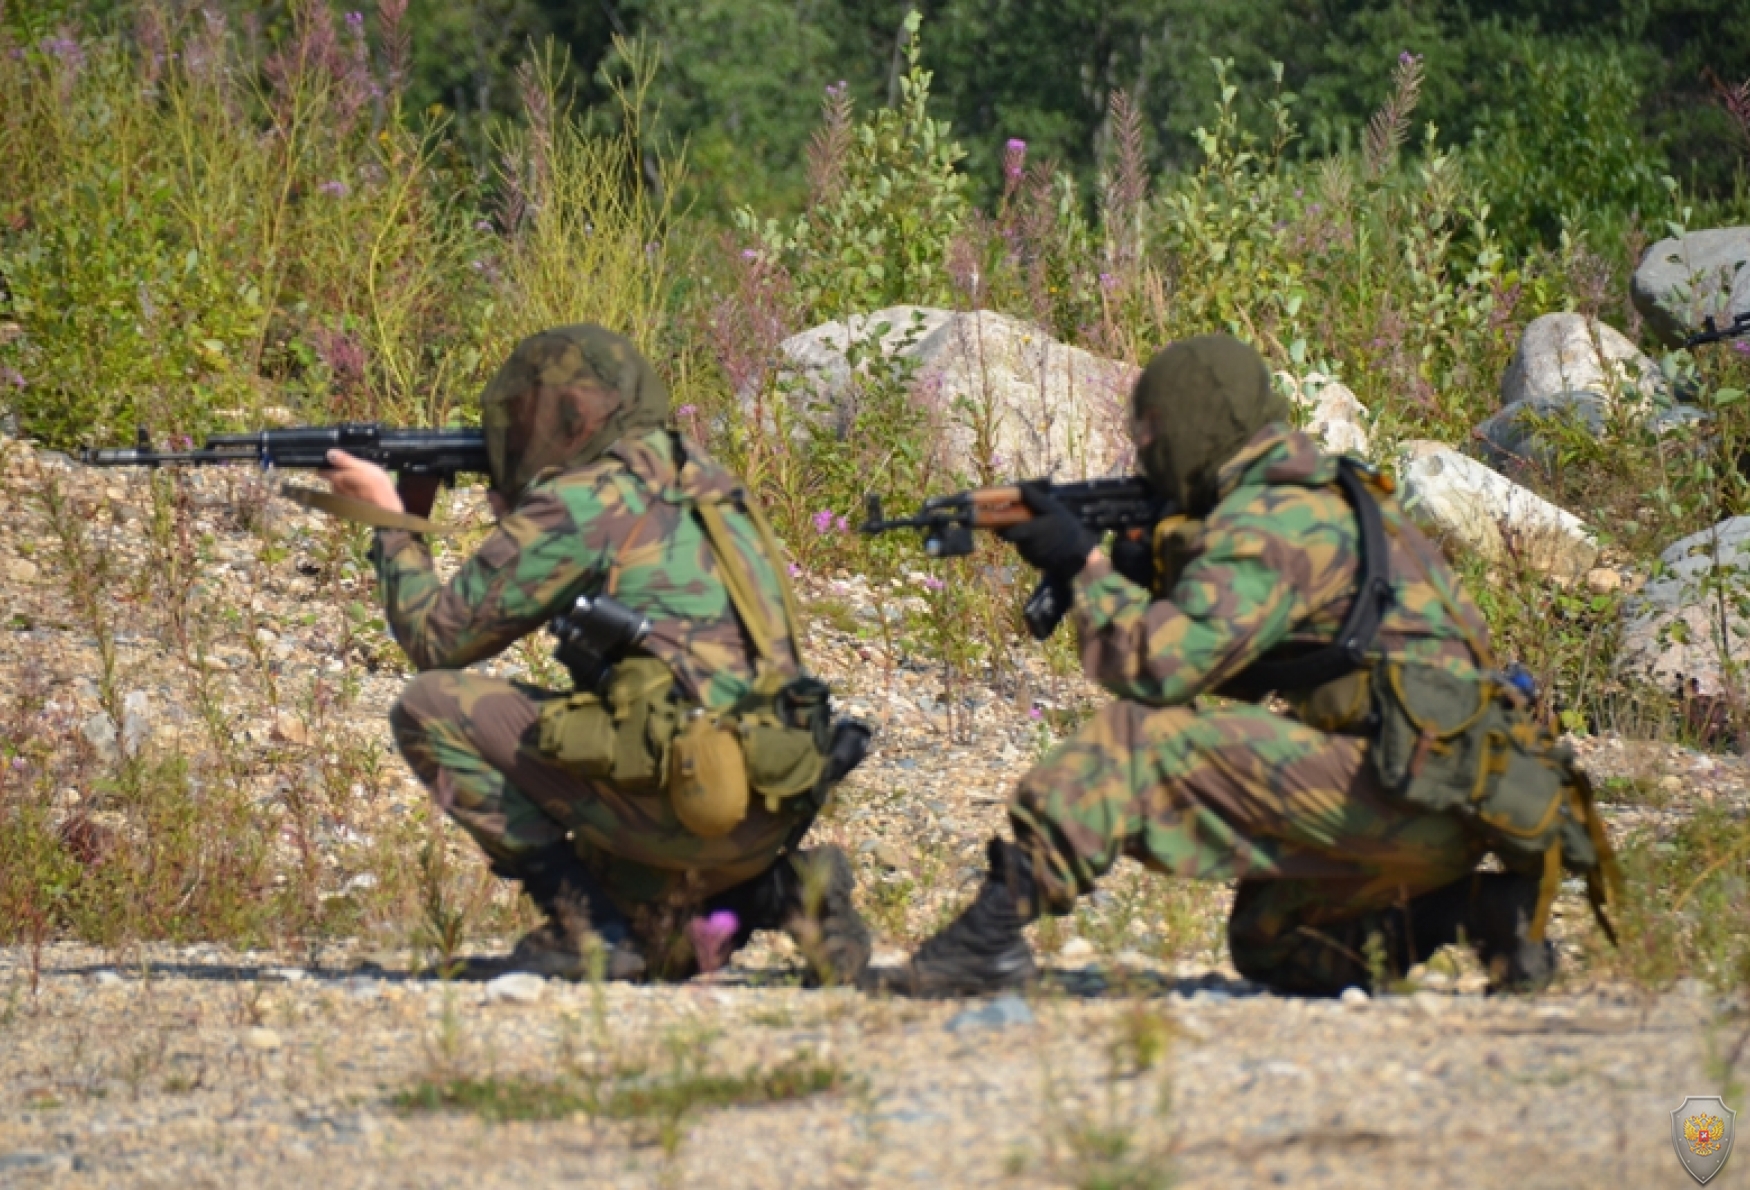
1682, 281
1518, 435
1565, 353
1692, 623
1333, 414
1460, 499
1001, 392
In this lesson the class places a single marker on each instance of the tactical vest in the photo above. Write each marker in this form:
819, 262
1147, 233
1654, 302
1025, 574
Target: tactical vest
643, 736
1442, 742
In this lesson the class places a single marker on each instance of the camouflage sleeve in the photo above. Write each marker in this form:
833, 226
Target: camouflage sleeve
1231, 605
534, 562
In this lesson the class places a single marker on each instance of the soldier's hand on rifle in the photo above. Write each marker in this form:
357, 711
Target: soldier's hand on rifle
1054, 542
349, 476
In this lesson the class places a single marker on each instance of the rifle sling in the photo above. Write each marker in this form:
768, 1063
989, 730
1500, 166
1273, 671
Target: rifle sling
358, 511
1373, 595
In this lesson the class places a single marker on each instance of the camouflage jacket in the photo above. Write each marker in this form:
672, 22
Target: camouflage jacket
1276, 562
620, 526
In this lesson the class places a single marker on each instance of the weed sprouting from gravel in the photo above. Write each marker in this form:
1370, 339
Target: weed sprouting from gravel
1120, 1141
664, 1100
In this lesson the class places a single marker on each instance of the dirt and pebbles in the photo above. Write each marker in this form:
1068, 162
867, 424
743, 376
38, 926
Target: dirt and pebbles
1143, 1060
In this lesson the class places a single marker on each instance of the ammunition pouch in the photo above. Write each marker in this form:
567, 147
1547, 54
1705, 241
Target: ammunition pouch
621, 735
1470, 746
1450, 743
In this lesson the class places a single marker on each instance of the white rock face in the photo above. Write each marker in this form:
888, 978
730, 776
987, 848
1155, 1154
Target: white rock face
1459, 498
1680, 282
1673, 634
1334, 415
1005, 395
1566, 353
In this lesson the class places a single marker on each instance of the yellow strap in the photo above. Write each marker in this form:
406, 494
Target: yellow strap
743, 592
1546, 892
1604, 882
775, 559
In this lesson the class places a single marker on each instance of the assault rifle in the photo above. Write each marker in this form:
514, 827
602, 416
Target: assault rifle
1123, 505
1711, 332
435, 454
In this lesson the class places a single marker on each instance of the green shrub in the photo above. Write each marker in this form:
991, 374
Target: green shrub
886, 202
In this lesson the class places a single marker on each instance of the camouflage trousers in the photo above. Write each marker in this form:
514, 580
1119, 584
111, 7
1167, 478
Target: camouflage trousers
1295, 815
474, 742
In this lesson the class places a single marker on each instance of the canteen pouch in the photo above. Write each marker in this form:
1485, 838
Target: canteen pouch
1467, 745
621, 736
708, 778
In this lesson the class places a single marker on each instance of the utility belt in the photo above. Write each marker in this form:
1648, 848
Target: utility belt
779, 742
1470, 746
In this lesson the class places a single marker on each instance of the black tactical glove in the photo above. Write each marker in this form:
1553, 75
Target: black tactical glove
1134, 558
1054, 542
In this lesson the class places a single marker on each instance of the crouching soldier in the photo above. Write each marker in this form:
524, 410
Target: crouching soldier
1354, 825
677, 779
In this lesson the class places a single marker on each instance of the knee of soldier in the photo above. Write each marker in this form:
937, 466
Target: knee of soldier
425, 699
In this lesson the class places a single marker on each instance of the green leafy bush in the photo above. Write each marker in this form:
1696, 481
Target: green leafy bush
885, 203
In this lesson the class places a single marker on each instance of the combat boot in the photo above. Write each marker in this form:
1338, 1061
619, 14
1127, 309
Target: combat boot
982, 950
1499, 923
808, 896
1493, 910
584, 934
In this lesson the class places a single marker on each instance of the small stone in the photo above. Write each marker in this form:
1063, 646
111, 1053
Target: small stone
1602, 580
1473, 984
1429, 1003
289, 729
22, 570
258, 1038
107, 978
518, 987
286, 974
888, 855
1076, 950
99, 731
1355, 997
998, 1014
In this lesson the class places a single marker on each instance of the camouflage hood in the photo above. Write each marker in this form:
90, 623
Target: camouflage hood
1194, 406
562, 398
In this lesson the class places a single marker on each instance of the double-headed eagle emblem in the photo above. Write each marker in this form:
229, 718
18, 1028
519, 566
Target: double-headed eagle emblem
1703, 1132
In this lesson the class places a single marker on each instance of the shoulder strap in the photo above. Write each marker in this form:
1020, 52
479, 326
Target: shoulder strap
1373, 595
738, 578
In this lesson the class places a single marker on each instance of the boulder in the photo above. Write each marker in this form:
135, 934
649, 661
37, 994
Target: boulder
1515, 437
1566, 353
1689, 623
1001, 391
1461, 500
1333, 414
1682, 281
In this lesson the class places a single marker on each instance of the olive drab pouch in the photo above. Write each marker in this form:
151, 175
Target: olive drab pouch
622, 735
1448, 742
1470, 745
707, 778
786, 734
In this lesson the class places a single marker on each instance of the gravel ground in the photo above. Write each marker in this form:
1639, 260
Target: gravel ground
204, 1067
1143, 1056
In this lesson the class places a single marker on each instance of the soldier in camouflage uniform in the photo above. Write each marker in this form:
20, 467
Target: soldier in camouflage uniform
1338, 871
594, 495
